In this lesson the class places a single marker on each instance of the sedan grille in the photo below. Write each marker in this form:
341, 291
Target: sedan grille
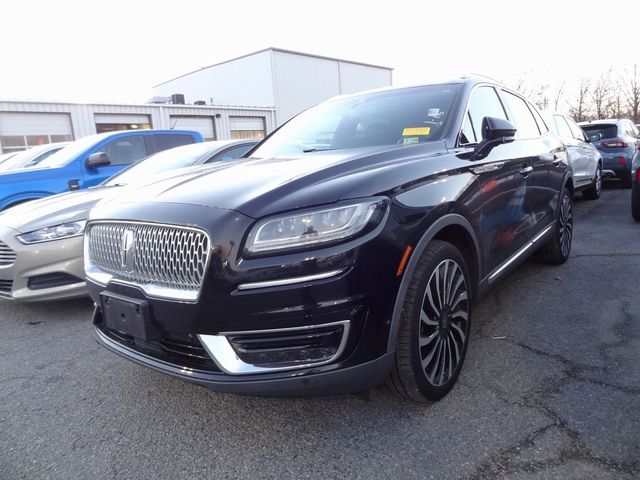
5, 287
7, 255
164, 260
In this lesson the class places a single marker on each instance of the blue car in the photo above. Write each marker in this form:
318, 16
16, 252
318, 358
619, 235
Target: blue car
87, 162
617, 140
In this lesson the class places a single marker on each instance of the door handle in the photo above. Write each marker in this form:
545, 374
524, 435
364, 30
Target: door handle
526, 171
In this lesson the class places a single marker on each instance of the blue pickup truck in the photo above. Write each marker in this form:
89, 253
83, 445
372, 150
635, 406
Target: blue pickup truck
87, 162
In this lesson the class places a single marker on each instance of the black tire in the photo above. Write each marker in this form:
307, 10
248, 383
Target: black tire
635, 202
556, 251
593, 192
432, 340
626, 180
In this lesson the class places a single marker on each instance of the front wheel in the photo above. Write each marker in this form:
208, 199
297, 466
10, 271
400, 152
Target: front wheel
434, 325
558, 248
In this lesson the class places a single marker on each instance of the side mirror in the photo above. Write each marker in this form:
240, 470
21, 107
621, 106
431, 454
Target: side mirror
98, 159
495, 131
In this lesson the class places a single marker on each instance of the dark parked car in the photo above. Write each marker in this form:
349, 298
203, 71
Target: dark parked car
616, 140
584, 158
348, 249
635, 188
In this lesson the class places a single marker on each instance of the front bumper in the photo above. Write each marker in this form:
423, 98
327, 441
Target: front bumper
250, 301
43, 271
312, 382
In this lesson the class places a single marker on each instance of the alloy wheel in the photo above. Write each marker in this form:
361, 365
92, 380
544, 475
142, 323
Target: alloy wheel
566, 225
444, 317
598, 181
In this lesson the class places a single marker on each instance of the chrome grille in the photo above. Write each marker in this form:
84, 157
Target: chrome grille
7, 255
164, 260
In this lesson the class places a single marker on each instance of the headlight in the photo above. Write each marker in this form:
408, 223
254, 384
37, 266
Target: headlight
56, 232
311, 227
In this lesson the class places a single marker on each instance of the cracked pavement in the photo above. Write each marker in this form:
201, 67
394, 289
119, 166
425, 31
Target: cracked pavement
550, 389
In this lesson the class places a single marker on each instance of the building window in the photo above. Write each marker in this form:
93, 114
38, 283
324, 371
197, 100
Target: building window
246, 127
17, 143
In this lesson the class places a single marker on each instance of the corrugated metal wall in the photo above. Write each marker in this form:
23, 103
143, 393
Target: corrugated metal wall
246, 81
83, 120
356, 78
301, 82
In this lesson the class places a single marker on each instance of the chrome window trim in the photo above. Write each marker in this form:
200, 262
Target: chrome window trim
290, 280
102, 278
221, 352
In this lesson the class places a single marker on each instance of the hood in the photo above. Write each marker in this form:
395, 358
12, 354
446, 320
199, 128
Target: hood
257, 187
54, 210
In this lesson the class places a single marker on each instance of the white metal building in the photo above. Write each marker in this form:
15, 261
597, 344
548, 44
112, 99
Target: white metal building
246, 97
27, 124
283, 79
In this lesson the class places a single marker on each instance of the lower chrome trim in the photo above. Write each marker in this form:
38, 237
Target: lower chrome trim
221, 352
519, 253
289, 281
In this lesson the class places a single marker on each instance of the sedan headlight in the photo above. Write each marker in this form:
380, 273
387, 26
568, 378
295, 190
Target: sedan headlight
312, 227
56, 232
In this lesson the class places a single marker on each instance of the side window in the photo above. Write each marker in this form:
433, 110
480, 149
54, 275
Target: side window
522, 116
126, 150
542, 125
484, 102
230, 154
577, 132
564, 131
166, 141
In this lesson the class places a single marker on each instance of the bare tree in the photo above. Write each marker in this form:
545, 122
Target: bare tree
631, 90
557, 97
579, 110
600, 94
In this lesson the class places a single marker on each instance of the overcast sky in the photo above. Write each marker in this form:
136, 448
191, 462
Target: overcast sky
116, 50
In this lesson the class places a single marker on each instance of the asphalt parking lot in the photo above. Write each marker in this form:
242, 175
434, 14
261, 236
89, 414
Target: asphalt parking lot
550, 389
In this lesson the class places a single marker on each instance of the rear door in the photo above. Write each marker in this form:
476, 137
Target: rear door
503, 176
548, 159
575, 152
589, 155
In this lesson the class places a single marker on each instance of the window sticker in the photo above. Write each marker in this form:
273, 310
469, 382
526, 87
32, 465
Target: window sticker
410, 132
434, 112
410, 140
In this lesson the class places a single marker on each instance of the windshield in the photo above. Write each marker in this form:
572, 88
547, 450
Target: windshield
14, 161
400, 117
164, 161
69, 153
25, 158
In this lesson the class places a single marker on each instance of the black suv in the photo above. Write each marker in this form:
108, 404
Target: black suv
348, 248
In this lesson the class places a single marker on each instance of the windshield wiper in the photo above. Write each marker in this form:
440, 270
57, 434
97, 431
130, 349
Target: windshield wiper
315, 149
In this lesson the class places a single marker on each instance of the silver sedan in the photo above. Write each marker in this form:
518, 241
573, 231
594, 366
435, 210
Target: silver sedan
41, 242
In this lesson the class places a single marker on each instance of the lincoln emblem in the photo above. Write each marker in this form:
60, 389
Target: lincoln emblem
127, 249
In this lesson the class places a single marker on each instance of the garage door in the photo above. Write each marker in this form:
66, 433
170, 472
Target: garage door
204, 125
246, 127
19, 131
